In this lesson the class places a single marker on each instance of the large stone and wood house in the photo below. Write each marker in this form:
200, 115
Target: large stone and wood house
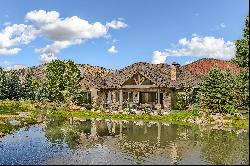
141, 83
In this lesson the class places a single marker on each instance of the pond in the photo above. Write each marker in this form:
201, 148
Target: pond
72, 140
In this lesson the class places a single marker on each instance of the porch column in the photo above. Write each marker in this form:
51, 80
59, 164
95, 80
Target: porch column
158, 105
113, 97
167, 100
94, 98
158, 96
134, 93
109, 97
121, 99
128, 96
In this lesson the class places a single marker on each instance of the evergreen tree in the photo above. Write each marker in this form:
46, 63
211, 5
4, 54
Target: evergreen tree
13, 86
28, 88
217, 91
41, 93
242, 60
3, 84
242, 90
242, 47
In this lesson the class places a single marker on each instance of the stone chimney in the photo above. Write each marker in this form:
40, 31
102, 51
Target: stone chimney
175, 69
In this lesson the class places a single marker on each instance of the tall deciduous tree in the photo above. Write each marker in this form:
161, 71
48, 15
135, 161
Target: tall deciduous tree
55, 82
62, 80
72, 77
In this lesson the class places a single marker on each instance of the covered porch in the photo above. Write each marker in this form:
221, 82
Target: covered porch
136, 96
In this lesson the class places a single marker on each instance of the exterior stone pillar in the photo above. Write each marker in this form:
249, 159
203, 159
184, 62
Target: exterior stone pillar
158, 105
128, 96
113, 97
94, 98
167, 103
121, 99
134, 99
158, 96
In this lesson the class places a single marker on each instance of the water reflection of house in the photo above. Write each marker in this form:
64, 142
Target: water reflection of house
139, 141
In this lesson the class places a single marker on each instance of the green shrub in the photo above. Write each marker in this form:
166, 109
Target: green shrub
180, 101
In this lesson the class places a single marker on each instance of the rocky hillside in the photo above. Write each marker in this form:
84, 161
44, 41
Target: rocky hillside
88, 72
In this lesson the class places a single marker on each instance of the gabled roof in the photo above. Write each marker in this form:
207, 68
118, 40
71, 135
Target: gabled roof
157, 73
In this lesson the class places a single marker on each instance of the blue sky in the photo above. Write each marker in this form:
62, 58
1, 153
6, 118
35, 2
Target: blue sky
154, 31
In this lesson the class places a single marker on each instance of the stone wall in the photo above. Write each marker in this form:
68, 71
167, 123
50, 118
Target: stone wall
167, 102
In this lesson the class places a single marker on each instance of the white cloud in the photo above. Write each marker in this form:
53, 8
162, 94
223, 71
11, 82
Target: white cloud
14, 35
116, 24
158, 57
14, 67
70, 28
11, 51
73, 28
17, 34
207, 46
42, 17
8, 65
66, 32
63, 32
46, 58
188, 62
57, 46
48, 52
112, 49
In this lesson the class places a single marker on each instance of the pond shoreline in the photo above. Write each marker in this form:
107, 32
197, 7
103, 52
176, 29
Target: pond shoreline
11, 109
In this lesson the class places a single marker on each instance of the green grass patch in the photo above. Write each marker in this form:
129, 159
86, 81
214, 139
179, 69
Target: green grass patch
240, 123
7, 111
5, 129
175, 117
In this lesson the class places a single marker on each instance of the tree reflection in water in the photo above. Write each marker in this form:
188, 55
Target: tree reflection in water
150, 140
